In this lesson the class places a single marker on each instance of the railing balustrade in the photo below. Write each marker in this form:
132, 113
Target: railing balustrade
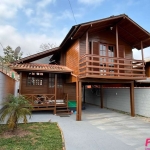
110, 67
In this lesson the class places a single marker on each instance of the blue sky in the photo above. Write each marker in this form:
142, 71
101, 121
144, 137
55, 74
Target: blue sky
29, 23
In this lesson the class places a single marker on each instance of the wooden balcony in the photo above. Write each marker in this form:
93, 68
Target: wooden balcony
94, 66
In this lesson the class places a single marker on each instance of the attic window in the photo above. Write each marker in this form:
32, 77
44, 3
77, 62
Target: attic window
35, 79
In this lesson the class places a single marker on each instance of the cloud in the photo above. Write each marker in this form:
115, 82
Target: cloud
90, 2
42, 19
44, 3
28, 12
29, 43
9, 8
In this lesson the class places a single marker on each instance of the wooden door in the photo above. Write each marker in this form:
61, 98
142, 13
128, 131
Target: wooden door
59, 85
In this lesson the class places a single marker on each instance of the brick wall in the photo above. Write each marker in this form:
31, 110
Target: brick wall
119, 99
7, 85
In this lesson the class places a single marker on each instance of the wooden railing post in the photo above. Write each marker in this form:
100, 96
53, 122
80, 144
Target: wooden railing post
55, 92
142, 55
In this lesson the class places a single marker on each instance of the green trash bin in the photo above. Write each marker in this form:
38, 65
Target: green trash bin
72, 104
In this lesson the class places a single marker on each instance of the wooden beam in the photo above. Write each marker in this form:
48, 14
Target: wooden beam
101, 96
142, 41
80, 100
132, 99
95, 80
55, 92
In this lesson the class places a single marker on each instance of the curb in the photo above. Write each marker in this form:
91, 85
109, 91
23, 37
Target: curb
63, 140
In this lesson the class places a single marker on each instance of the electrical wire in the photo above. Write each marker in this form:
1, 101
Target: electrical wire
72, 12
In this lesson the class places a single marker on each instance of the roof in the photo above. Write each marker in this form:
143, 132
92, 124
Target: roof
40, 67
128, 30
38, 55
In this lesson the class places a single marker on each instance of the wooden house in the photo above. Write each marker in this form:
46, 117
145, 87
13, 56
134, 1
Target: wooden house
97, 52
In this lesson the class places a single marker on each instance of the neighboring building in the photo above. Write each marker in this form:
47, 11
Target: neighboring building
145, 82
97, 52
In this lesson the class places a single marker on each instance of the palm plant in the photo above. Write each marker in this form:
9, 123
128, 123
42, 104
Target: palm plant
15, 109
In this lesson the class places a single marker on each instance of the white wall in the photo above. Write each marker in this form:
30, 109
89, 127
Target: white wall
7, 85
119, 99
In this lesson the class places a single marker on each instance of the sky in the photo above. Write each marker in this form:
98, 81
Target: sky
30, 23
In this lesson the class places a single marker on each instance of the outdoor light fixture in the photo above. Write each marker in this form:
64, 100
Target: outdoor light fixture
111, 28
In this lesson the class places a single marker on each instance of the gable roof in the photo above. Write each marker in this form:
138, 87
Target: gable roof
38, 55
128, 30
40, 67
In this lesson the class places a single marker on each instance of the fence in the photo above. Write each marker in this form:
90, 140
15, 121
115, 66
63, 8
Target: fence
7, 70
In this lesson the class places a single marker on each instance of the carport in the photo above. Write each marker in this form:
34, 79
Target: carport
102, 83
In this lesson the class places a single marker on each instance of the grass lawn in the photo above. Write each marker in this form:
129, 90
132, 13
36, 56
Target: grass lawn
31, 136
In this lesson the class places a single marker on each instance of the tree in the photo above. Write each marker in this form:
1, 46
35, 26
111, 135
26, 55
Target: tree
47, 46
9, 55
15, 109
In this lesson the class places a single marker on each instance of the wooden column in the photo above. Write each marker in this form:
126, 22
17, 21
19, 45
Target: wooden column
132, 99
101, 96
142, 51
84, 94
117, 42
87, 43
117, 49
55, 92
77, 100
20, 84
80, 100
87, 51
142, 56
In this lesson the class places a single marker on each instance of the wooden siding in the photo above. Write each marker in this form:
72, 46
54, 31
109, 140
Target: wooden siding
72, 57
26, 89
41, 89
105, 37
70, 88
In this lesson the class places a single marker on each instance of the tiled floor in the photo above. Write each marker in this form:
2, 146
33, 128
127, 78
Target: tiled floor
100, 129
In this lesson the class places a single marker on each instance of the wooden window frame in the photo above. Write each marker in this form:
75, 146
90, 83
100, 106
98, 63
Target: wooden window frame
35, 79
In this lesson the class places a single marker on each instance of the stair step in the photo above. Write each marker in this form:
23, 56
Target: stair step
62, 110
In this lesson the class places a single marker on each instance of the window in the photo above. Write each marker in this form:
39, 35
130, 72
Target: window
59, 82
110, 51
35, 78
52, 80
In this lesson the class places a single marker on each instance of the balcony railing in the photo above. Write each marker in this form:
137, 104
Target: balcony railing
110, 67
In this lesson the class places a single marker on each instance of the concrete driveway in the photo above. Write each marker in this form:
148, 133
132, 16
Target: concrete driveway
101, 129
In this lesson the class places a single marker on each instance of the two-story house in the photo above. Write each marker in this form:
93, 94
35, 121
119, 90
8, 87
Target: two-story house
97, 52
